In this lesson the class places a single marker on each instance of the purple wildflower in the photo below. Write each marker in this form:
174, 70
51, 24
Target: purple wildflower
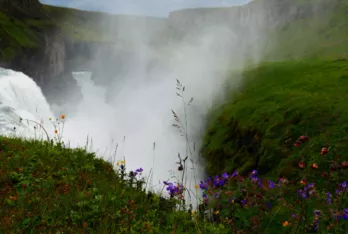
271, 184
225, 176
343, 186
203, 185
317, 212
235, 173
268, 205
302, 193
328, 198
343, 215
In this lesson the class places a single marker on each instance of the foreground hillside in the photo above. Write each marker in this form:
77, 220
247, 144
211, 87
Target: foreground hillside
50, 189
285, 134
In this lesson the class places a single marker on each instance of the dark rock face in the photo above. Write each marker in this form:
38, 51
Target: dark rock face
23, 8
47, 66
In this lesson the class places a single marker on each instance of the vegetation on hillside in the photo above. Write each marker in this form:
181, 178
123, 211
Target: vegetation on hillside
21, 32
256, 128
324, 35
276, 149
47, 188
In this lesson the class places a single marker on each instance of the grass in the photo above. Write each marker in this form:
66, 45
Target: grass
47, 188
50, 189
318, 36
280, 101
25, 33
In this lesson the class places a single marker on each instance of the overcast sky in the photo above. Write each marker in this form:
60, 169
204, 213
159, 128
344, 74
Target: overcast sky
141, 7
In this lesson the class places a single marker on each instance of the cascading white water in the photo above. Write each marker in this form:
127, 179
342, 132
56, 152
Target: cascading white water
106, 125
20, 97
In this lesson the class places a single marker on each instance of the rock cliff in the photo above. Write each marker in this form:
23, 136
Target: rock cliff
57, 53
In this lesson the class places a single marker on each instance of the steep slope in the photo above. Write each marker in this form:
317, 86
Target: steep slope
275, 29
257, 127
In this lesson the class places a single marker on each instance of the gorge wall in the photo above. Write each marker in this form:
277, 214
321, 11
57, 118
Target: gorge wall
57, 52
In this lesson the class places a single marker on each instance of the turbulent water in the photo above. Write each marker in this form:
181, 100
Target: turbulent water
136, 126
117, 131
20, 97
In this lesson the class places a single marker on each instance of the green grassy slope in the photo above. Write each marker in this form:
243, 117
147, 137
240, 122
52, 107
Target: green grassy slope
280, 102
325, 35
77, 24
19, 34
50, 189
301, 95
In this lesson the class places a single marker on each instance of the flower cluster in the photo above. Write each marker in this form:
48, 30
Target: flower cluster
217, 181
308, 190
138, 171
300, 140
249, 192
174, 190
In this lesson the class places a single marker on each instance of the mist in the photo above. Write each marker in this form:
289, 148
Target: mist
129, 113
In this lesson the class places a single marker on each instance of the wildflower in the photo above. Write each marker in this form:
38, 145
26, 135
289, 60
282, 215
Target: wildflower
343, 215
304, 138
203, 185
302, 194
271, 184
268, 205
317, 212
328, 198
117, 163
324, 151
225, 176
123, 162
344, 165
235, 173
196, 186
315, 166
303, 182
55, 131
297, 144
62, 116
301, 164
343, 186
285, 223
283, 181
140, 170
217, 212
